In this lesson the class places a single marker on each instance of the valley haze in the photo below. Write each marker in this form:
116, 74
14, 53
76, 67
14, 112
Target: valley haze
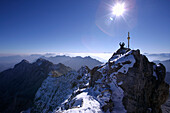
9, 60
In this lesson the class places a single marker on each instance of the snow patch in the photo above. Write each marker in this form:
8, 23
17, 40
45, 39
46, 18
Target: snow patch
120, 83
126, 61
39, 63
154, 73
117, 96
83, 103
50, 73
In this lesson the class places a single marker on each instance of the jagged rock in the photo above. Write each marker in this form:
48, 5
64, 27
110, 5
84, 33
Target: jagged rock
160, 72
128, 82
109, 106
141, 89
83, 70
94, 77
166, 106
55, 90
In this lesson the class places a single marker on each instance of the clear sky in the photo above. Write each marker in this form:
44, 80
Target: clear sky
80, 26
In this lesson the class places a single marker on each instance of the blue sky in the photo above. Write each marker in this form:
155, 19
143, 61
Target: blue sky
82, 26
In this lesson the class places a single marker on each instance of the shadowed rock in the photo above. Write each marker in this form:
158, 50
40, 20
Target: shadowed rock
19, 85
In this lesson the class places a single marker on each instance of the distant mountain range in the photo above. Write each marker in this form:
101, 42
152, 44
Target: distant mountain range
19, 84
158, 56
73, 62
7, 62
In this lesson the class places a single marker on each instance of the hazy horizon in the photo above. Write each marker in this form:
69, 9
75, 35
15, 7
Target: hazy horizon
102, 57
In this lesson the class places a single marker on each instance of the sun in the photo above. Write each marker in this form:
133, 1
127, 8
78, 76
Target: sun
118, 9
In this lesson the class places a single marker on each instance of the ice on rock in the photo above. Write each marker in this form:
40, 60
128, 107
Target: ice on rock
120, 83
154, 73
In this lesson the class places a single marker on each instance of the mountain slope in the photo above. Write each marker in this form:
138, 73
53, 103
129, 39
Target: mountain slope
128, 82
166, 106
19, 85
55, 90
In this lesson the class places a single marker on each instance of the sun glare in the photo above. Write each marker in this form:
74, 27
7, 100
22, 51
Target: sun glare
118, 9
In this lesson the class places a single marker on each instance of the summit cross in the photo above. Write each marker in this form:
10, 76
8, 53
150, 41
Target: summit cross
128, 38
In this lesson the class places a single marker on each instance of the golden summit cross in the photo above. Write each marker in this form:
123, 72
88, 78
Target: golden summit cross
128, 39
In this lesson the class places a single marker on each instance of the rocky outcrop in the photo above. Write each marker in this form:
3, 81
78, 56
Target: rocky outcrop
147, 84
166, 106
19, 85
143, 84
128, 82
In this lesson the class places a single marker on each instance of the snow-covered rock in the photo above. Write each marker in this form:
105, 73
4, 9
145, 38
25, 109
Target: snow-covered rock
55, 90
128, 82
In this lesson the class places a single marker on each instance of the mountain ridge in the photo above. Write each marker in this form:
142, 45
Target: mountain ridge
128, 82
19, 84
73, 62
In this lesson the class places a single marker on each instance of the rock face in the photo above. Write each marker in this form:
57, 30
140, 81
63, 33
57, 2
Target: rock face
144, 87
55, 90
19, 85
166, 107
143, 84
128, 82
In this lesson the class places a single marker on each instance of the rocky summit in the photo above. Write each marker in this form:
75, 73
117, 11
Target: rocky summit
127, 83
